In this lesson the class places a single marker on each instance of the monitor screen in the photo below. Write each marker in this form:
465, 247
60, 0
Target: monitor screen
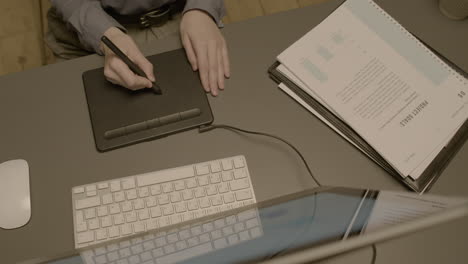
289, 224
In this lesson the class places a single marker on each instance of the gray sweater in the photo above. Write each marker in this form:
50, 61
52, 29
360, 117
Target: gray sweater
90, 20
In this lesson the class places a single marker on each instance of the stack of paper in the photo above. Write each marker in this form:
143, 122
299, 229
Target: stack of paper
380, 87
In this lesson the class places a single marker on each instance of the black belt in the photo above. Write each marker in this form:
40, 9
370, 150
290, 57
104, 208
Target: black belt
155, 17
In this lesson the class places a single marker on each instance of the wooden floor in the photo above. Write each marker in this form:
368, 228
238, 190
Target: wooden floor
23, 23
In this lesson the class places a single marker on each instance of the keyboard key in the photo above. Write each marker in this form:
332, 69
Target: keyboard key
215, 166
85, 237
107, 199
90, 188
211, 190
242, 216
228, 198
192, 205
179, 185
191, 183
255, 232
87, 203
101, 234
228, 230
114, 208
203, 169
204, 202
93, 224
102, 211
152, 224
239, 174
233, 239
131, 194
128, 183
216, 200
155, 189
239, 227
193, 241
204, 238
203, 180
134, 259
239, 162
181, 245
143, 192
114, 232
155, 212
163, 199
103, 185
223, 187
78, 190
143, 214
175, 197
165, 176
115, 186
118, 219
138, 204
226, 175
126, 229
146, 256
158, 252
239, 184
243, 195
180, 207
119, 197
187, 194
215, 178
187, 254
244, 235
227, 164
151, 201
130, 217
139, 227
126, 206
90, 213
220, 243
199, 192
106, 221
216, 234
167, 187
81, 227
167, 209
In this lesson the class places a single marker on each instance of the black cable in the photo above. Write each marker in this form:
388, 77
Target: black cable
235, 129
374, 254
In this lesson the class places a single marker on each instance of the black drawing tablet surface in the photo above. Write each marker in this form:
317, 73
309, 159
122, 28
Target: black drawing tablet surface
122, 117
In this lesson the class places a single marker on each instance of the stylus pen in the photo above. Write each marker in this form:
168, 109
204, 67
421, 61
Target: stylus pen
129, 63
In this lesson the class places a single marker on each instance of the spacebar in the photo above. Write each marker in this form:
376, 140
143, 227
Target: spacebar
165, 176
186, 254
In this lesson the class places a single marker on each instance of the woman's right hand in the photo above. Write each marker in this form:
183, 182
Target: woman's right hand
116, 71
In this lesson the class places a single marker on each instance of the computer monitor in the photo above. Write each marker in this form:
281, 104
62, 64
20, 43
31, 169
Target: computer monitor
297, 228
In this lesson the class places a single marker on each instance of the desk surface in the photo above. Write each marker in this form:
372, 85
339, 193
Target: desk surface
45, 121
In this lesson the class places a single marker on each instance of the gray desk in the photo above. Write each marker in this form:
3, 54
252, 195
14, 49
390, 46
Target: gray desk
45, 121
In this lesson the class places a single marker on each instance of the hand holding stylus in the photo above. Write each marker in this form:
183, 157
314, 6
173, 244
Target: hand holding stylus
117, 71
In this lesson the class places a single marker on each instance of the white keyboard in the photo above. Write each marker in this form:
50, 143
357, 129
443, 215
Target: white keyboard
176, 245
117, 208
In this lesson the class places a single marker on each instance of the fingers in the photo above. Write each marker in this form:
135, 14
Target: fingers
213, 68
192, 58
226, 62
144, 64
116, 71
220, 70
202, 59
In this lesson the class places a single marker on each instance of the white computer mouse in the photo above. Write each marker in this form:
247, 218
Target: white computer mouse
15, 201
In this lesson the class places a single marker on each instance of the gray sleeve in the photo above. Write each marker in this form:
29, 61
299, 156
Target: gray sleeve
88, 19
213, 7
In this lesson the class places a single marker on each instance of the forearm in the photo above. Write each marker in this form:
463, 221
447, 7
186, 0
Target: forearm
215, 8
88, 19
